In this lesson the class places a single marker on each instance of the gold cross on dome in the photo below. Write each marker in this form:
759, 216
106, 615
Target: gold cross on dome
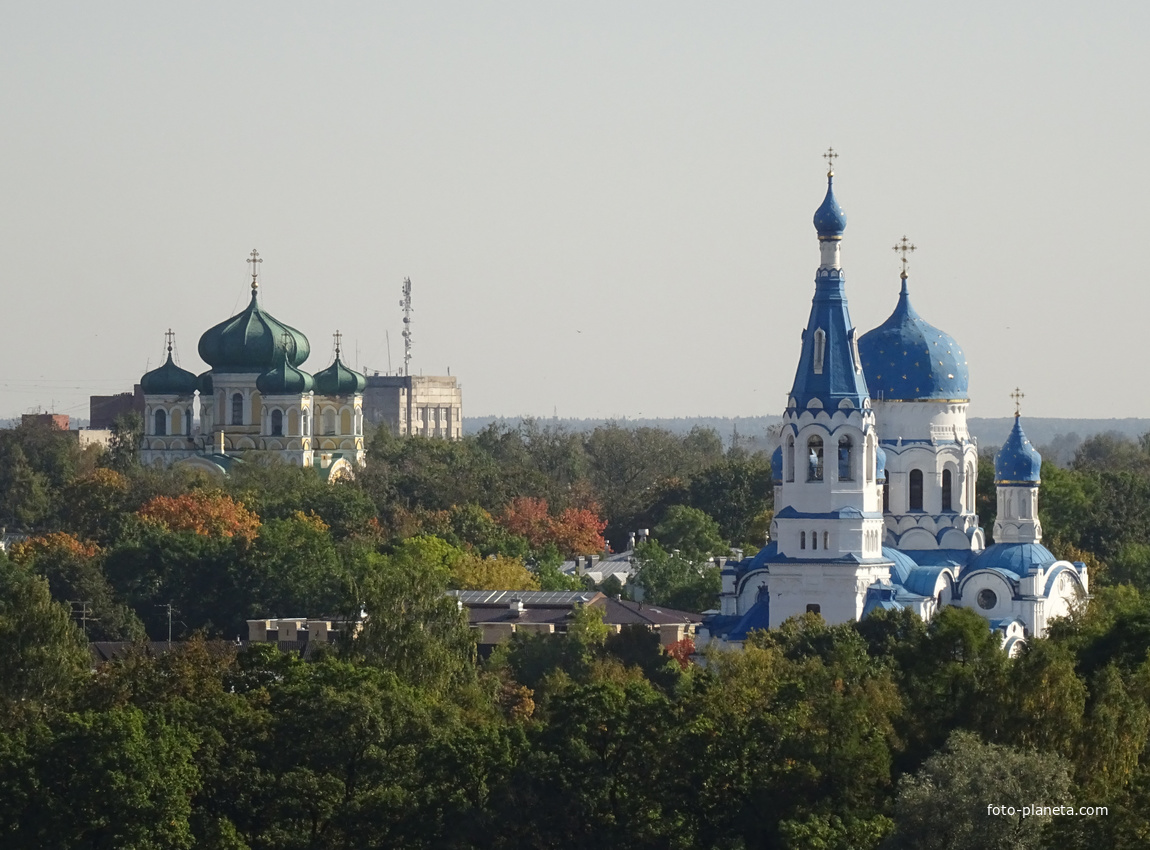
255, 260
1018, 395
830, 156
904, 247
338, 338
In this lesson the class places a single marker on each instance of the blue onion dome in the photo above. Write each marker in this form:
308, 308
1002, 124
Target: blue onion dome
284, 379
337, 379
169, 379
1017, 558
830, 220
204, 383
908, 359
880, 464
1017, 462
250, 341
777, 465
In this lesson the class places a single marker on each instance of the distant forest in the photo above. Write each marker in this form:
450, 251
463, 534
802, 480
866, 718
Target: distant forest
1056, 439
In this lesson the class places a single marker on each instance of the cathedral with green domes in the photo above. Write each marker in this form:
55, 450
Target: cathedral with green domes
255, 400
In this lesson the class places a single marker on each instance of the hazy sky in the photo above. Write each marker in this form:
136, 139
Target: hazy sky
604, 208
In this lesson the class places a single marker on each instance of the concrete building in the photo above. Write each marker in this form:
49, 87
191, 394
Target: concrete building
415, 405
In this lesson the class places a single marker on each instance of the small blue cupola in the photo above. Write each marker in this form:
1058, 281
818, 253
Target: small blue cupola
830, 220
830, 370
908, 359
1017, 463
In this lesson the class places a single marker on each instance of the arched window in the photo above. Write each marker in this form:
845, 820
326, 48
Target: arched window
969, 487
814, 540
886, 498
789, 457
815, 459
277, 423
329, 421
820, 348
161, 428
870, 460
946, 491
188, 422
915, 490
802, 540
826, 540
238, 409
845, 459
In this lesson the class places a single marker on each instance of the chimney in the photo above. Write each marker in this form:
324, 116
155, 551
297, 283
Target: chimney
579, 566
644, 533
516, 607
631, 542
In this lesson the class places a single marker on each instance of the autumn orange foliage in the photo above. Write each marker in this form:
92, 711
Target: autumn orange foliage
56, 543
208, 514
681, 651
576, 531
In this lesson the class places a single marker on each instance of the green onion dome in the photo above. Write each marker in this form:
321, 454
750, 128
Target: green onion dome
251, 341
283, 378
337, 379
169, 379
205, 383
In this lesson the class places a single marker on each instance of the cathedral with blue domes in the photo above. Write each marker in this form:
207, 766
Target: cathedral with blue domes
255, 400
875, 484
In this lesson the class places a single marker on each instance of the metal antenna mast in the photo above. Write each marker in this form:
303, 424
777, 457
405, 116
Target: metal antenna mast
406, 305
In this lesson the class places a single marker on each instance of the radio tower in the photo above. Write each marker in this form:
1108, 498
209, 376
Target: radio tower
406, 305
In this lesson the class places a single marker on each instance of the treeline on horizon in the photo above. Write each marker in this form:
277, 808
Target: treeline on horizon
865, 735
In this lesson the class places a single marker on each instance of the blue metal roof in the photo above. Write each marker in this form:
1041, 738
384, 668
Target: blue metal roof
922, 580
882, 595
758, 617
1017, 462
1016, 558
907, 359
940, 557
849, 512
903, 564
835, 378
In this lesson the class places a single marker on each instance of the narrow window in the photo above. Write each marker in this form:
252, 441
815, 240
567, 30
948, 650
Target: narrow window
845, 459
789, 458
885, 498
969, 487
870, 461
802, 540
188, 422
814, 540
277, 423
826, 540
237, 409
161, 423
946, 491
820, 346
815, 459
329, 421
916, 489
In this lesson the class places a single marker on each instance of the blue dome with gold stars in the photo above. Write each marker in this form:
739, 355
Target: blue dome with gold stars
1017, 462
830, 220
908, 359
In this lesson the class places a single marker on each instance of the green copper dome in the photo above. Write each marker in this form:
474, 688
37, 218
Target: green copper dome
250, 342
337, 379
169, 379
284, 379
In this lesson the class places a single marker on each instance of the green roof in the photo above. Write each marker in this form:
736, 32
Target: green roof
169, 379
337, 379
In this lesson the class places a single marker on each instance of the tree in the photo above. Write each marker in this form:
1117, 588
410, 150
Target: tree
45, 654
967, 780
472, 572
206, 514
674, 580
75, 575
690, 531
127, 437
